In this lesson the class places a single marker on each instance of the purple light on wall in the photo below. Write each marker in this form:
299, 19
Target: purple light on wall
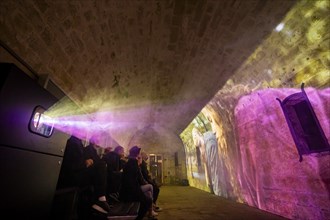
269, 156
303, 123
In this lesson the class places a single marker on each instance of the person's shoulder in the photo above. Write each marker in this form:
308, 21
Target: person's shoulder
132, 162
113, 154
144, 164
110, 154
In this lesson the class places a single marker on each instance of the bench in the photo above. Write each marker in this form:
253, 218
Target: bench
75, 203
127, 210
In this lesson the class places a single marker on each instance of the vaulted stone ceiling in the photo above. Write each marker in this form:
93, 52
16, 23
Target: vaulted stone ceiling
153, 63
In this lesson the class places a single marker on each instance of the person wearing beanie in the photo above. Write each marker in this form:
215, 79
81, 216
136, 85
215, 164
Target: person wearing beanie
131, 184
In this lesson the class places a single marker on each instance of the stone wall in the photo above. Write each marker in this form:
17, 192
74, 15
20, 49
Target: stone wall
258, 162
262, 163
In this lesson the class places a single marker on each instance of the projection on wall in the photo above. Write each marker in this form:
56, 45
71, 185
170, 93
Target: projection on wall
257, 156
199, 151
304, 126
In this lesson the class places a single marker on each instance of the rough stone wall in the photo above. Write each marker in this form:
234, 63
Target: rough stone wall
267, 172
109, 54
260, 163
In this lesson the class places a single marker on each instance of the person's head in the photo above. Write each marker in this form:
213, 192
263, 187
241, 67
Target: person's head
75, 138
139, 159
75, 133
107, 150
94, 141
144, 156
120, 151
134, 152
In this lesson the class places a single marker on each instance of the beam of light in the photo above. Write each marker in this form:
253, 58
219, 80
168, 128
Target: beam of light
69, 118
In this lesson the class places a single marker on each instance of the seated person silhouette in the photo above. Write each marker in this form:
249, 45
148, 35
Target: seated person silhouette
131, 184
115, 165
147, 189
81, 168
147, 177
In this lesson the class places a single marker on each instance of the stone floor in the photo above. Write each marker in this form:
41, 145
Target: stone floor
187, 203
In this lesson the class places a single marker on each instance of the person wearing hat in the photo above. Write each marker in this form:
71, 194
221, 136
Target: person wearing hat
132, 180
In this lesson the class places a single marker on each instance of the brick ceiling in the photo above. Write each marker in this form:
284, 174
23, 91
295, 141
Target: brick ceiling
154, 63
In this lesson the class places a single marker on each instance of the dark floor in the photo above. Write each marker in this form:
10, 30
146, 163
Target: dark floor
188, 203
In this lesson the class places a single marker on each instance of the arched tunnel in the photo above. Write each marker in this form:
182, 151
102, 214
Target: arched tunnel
229, 99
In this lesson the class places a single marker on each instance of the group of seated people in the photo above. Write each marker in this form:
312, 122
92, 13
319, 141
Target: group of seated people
113, 177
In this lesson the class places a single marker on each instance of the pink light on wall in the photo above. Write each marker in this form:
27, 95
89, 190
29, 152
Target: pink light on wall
272, 178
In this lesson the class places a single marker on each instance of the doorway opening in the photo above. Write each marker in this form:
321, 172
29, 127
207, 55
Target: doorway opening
156, 167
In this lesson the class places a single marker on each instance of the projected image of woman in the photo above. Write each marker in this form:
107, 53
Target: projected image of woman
215, 164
